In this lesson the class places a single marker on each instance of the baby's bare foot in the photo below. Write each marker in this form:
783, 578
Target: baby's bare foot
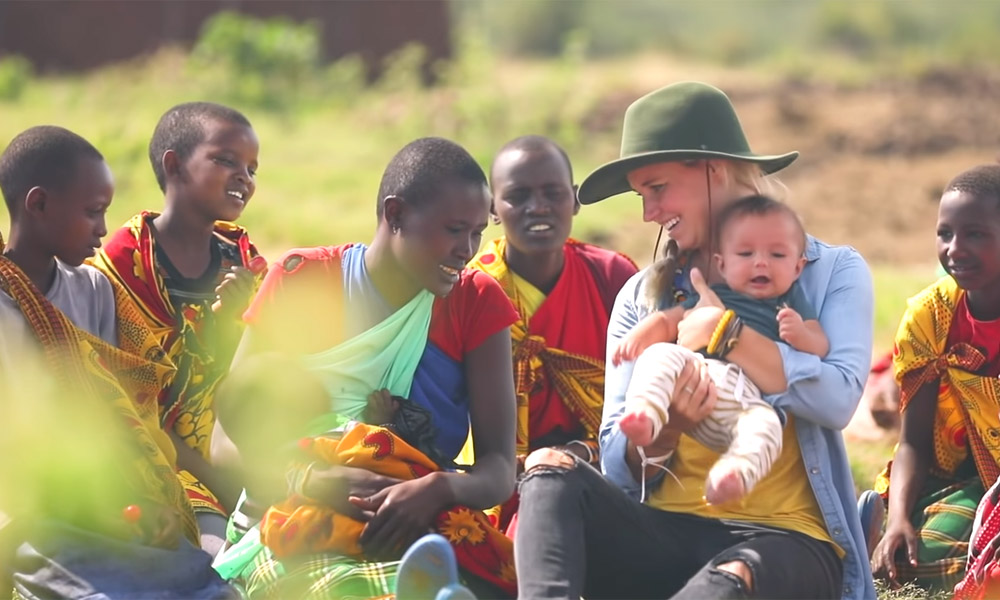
724, 485
637, 427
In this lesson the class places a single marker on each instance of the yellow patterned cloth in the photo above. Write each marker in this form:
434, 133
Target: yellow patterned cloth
967, 418
187, 333
129, 378
560, 350
300, 526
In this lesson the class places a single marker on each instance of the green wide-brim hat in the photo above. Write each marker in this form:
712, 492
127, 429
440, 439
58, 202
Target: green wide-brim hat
683, 121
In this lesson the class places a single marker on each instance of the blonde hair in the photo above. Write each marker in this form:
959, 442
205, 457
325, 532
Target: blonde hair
740, 178
748, 176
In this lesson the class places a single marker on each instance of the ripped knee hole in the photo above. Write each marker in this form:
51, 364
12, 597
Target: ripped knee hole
739, 569
548, 458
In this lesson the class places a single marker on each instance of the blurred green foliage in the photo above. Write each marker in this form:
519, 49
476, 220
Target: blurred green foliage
742, 31
326, 133
15, 74
256, 61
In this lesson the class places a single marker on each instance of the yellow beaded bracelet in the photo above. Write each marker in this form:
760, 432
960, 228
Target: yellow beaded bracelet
713, 344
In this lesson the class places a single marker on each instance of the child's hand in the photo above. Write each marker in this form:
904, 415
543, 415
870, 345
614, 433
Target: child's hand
791, 327
234, 292
381, 408
661, 326
642, 336
628, 349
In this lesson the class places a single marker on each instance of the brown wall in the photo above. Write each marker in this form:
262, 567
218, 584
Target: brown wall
74, 35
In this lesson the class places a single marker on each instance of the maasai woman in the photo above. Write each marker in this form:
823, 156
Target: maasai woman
403, 315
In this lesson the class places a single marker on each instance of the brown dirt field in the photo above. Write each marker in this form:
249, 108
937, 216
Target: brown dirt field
874, 158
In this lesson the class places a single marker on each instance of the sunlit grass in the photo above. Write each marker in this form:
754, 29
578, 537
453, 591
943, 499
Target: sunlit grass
893, 286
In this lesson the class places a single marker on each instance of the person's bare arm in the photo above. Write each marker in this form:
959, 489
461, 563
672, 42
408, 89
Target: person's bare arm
221, 481
910, 466
404, 511
757, 355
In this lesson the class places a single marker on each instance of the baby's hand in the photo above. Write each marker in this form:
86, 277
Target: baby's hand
791, 327
657, 327
381, 408
629, 348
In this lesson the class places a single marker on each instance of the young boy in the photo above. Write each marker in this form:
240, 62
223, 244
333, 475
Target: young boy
101, 511
761, 255
57, 189
188, 268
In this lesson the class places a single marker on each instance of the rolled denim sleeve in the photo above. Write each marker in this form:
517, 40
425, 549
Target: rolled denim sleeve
827, 391
624, 316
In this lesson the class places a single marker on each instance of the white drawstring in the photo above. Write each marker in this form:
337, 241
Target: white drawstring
740, 386
656, 461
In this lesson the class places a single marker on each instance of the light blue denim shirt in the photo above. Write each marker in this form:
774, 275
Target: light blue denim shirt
822, 393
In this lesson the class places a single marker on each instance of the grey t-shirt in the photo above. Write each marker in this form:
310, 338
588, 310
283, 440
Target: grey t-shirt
82, 293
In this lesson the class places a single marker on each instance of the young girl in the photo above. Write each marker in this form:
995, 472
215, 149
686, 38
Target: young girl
947, 360
189, 270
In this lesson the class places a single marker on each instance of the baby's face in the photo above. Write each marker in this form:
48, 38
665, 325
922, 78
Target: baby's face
761, 255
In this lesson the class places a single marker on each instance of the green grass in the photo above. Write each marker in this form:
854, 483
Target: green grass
908, 591
893, 286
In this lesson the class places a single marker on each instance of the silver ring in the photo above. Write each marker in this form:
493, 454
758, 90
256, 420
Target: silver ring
689, 390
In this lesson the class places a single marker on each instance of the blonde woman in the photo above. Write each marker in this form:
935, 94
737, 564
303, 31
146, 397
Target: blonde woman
797, 534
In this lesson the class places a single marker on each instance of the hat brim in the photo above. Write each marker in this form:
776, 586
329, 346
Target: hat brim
611, 179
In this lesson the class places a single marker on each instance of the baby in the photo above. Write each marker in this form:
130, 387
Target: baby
761, 255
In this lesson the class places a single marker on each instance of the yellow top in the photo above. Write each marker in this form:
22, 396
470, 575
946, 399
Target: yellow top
529, 298
782, 499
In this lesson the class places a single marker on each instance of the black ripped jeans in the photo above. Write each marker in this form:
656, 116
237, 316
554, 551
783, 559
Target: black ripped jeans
580, 535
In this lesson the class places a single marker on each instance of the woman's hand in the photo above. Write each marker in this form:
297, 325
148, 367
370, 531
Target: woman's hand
897, 534
401, 513
695, 331
336, 485
693, 400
